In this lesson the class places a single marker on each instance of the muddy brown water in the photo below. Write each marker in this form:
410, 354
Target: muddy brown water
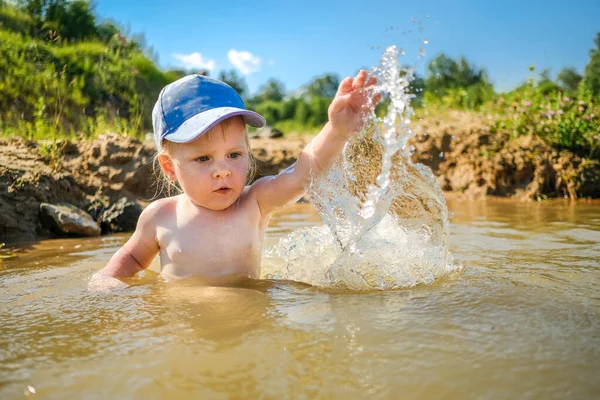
521, 320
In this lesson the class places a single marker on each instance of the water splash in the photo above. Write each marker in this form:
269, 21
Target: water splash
386, 218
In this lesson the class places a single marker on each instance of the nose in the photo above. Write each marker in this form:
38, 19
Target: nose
221, 170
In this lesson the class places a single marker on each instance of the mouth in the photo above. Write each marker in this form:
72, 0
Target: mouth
223, 190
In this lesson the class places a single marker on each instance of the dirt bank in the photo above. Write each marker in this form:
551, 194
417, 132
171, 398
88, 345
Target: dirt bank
469, 159
91, 172
466, 158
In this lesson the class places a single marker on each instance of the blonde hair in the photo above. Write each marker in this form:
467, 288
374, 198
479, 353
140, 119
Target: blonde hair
164, 184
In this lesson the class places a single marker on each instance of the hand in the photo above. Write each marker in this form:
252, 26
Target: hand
101, 282
346, 112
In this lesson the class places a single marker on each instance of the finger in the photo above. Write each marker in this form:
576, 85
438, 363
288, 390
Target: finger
346, 85
372, 80
376, 99
360, 80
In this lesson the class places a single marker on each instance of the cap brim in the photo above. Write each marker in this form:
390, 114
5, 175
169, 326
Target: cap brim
201, 123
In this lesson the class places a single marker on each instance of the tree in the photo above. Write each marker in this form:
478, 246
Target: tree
288, 108
270, 110
106, 30
324, 86
545, 84
273, 90
444, 73
234, 80
318, 107
35, 8
72, 20
569, 79
457, 83
77, 22
302, 112
592, 69
417, 88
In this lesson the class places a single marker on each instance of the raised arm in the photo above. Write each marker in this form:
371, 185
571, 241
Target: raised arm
345, 118
140, 249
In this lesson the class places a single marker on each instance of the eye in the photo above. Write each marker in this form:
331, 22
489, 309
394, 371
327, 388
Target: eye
202, 159
235, 155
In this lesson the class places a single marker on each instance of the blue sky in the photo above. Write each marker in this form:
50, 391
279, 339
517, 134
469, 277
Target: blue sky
298, 40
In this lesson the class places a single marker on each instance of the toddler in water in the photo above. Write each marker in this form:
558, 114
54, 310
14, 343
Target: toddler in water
215, 228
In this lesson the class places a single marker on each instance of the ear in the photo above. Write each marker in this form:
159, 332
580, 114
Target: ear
166, 164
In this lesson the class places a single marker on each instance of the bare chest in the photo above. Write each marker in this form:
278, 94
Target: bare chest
211, 245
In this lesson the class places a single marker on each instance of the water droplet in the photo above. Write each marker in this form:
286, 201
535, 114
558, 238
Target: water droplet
371, 231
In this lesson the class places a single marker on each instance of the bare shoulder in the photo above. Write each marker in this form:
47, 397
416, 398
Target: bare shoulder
159, 209
162, 205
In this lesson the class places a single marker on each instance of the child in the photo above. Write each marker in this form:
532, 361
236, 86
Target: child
215, 228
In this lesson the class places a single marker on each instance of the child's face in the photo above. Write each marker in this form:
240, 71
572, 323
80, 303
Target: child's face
212, 169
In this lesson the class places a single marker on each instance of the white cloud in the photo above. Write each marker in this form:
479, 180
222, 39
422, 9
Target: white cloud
194, 61
244, 61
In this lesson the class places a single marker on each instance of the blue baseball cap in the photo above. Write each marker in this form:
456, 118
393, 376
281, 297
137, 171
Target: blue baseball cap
192, 105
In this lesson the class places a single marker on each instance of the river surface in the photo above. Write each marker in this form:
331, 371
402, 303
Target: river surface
520, 320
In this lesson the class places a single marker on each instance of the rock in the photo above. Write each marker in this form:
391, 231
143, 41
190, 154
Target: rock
275, 134
66, 219
96, 208
268, 132
121, 216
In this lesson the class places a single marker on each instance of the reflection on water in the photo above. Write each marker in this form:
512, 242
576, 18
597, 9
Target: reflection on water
522, 320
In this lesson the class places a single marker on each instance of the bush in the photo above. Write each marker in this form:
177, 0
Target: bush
14, 20
561, 121
66, 85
